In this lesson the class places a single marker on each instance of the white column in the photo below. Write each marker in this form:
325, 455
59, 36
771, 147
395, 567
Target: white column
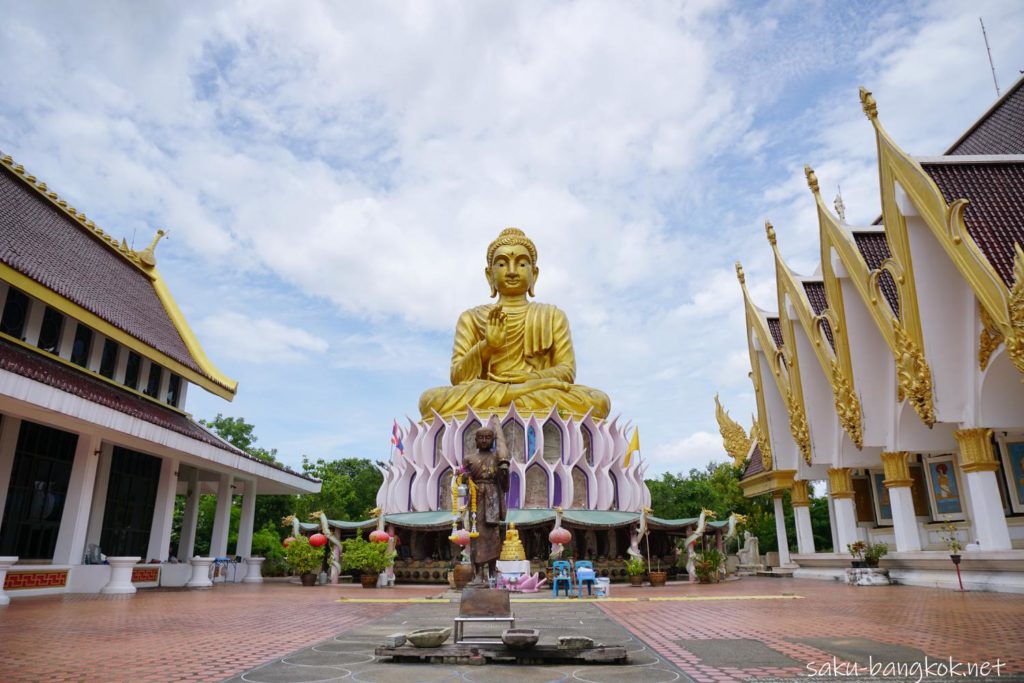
898, 481
222, 518
190, 519
780, 531
74, 523
246, 520
846, 523
96, 351
979, 465
9, 427
33, 321
163, 511
804, 532
144, 375
165, 383
99, 495
121, 366
183, 393
67, 338
832, 520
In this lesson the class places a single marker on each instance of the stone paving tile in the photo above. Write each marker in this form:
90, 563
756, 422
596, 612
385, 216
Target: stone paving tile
165, 635
969, 627
349, 655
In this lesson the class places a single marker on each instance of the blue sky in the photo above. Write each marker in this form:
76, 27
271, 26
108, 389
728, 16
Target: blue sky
331, 175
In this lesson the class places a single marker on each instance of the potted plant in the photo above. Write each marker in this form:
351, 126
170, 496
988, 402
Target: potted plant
857, 549
874, 552
304, 560
952, 542
635, 567
367, 557
707, 565
657, 576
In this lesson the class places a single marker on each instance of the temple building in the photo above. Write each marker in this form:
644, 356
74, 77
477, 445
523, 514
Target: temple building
96, 363
892, 376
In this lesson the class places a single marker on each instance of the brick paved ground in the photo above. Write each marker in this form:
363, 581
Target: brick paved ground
970, 627
175, 635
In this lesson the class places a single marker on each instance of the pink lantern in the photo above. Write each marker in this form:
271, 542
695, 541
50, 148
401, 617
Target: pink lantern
288, 541
460, 537
560, 536
379, 536
317, 540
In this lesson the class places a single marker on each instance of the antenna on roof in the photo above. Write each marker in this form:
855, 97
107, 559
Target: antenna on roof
989, 50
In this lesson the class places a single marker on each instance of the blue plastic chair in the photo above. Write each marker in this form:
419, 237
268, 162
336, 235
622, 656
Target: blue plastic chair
561, 575
585, 574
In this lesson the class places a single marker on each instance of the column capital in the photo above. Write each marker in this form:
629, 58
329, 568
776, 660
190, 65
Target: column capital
840, 482
799, 495
976, 452
896, 465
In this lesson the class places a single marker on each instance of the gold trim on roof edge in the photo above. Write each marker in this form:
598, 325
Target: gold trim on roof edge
834, 363
1004, 305
209, 377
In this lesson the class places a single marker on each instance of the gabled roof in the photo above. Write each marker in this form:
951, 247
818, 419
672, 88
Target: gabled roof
874, 247
1000, 130
49, 248
755, 465
776, 329
994, 216
819, 302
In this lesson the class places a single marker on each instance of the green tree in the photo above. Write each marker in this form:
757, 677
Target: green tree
348, 492
240, 434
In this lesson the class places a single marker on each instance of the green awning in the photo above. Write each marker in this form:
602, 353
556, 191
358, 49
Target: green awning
600, 518
530, 517
339, 524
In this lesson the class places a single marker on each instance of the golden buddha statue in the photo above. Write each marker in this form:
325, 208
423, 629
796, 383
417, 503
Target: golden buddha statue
514, 350
512, 549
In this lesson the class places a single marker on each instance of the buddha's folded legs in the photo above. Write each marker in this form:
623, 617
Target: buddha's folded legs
537, 395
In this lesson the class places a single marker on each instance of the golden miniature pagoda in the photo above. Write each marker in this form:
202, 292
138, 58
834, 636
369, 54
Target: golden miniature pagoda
512, 548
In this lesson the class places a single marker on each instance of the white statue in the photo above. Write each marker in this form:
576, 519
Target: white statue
749, 555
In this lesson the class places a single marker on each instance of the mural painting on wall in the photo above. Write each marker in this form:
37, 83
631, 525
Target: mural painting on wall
944, 488
1013, 466
884, 509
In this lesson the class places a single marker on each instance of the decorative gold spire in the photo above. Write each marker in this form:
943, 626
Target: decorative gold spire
867, 102
770, 231
812, 179
739, 274
734, 437
146, 256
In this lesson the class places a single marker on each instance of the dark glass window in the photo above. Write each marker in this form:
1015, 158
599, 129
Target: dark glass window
82, 346
131, 371
15, 313
49, 331
39, 485
174, 390
131, 496
108, 361
153, 384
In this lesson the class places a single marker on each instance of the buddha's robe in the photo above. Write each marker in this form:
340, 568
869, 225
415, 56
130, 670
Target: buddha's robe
537, 343
491, 479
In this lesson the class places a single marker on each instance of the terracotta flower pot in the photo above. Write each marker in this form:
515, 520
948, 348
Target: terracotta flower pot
369, 580
308, 579
636, 579
463, 575
658, 578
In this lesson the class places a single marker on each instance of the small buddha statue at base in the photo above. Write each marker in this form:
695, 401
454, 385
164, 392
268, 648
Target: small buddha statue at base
512, 549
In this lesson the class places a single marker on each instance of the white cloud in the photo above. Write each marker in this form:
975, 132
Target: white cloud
258, 340
693, 451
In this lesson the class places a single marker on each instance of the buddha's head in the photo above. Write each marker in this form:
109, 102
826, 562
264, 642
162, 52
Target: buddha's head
511, 264
484, 439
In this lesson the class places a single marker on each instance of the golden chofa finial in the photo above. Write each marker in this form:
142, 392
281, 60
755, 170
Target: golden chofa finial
147, 256
812, 179
868, 104
739, 273
770, 231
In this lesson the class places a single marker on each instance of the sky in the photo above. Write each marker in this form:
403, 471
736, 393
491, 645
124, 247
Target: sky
331, 174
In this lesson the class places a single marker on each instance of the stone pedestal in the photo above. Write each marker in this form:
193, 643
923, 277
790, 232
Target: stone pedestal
6, 563
253, 571
200, 573
869, 576
120, 576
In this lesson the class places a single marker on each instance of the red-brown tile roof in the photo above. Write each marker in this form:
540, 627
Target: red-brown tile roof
38, 367
819, 302
995, 214
1000, 130
41, 242
755, 465
776, 329
874, 247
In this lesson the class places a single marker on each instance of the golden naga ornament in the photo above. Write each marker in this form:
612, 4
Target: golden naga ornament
847, 405
1015, 308
798, 426
913, 376
734, 437
513, 351
989, 339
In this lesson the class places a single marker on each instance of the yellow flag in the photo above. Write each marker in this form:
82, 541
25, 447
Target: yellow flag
634, 445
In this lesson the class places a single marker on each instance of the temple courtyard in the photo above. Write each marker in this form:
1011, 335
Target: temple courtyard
754, 628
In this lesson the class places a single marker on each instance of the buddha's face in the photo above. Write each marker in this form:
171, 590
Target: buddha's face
512, 272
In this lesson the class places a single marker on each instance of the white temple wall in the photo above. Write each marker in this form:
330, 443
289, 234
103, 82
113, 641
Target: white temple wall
785, 452
1001, 395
